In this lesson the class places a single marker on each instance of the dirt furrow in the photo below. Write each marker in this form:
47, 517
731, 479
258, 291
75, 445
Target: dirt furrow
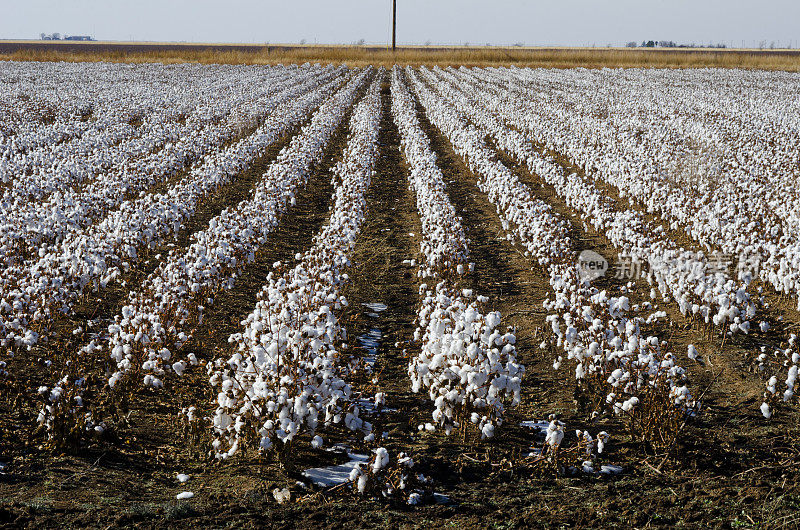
382, 293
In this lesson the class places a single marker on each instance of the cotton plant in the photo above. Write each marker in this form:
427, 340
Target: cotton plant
390, 477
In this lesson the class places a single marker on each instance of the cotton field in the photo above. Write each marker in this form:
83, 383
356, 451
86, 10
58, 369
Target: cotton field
372, 284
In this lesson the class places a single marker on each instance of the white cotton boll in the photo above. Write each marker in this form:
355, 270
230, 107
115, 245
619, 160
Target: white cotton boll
602, 438
692, 353
579, 372
369, 438
179, 367
414, 499
362, 483
355, 473
771, 384
764, 326
381, 459
487, 431
316, 442
765, 411
282, 495
629, 404
182, 478
430, 427
184, 495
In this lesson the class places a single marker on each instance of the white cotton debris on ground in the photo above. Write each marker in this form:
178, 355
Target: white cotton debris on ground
282, 495
334, 475
182, 477
184, 495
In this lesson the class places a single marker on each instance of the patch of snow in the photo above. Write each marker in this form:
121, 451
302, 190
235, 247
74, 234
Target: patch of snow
536, 424
440, 498
376, 307
610, 470
334, 475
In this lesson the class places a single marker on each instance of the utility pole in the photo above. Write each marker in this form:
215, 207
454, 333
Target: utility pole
394, 24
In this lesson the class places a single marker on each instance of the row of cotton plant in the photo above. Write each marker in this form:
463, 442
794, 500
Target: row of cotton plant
90, 259
701, 291
162, 315
727, 178
160, 152
286, 376
728, 308
466, 363
650, 375
127, 112
46, 109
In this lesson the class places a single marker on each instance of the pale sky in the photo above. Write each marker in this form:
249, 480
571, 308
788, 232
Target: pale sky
532, 22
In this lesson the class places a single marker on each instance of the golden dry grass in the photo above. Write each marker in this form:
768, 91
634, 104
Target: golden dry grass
788, 60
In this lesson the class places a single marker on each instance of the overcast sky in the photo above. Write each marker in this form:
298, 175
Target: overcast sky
533, 22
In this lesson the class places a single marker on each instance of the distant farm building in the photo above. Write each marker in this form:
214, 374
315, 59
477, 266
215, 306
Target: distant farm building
57, 36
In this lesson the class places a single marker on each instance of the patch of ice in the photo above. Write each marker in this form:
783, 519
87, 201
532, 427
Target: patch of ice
377, 307
610, 470
368, 406
334, 475
535, 424
370, 341
440, 498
